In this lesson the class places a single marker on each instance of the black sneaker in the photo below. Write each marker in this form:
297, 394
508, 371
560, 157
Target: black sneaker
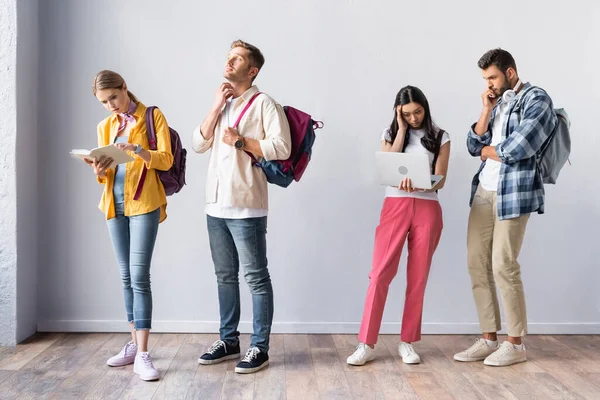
255, 360
219, 352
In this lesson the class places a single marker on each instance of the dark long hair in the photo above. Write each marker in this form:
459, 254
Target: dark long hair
430, 140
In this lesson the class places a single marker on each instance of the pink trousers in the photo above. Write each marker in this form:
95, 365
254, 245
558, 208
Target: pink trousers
421, 222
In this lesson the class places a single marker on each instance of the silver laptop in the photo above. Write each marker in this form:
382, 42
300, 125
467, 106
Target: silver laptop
393, 167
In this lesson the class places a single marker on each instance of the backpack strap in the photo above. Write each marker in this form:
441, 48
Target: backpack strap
519, 102
151, 132
237, 122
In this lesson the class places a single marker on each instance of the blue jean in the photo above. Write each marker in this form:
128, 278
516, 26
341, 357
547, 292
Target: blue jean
133, 241
234, 242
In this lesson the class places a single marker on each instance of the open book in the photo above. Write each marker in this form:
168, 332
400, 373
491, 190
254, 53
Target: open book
119, 156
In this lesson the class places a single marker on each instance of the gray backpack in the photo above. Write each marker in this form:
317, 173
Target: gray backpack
556, 149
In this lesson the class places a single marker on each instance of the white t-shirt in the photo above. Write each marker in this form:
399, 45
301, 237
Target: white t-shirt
218, 210
490, 174
414, 146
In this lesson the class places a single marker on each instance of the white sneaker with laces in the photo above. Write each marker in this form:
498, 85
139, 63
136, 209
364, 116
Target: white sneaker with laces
125, 357
408, 353
362, 355
478, 352
144, 368
506, 355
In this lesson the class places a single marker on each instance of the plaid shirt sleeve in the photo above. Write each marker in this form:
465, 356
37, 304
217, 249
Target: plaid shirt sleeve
537, 123
476, 143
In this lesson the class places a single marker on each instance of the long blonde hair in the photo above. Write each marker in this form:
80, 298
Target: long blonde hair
107, 79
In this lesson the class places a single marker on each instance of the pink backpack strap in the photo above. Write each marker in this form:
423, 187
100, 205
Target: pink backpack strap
237, 122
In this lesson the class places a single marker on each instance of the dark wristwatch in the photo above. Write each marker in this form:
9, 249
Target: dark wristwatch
239, 143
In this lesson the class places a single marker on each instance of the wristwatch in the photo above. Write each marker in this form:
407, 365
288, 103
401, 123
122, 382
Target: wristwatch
137, 150
239, 143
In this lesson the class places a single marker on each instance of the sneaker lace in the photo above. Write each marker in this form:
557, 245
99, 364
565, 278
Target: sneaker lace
219, 344
360, 349
410, 349
146, 360
476, 346
503, 350
251, 354
128, 348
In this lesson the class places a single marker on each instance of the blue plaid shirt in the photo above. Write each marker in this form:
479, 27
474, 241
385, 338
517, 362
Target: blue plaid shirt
520, 187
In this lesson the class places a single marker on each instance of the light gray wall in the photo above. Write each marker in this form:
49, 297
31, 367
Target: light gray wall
28, 194
8, 198
343, 62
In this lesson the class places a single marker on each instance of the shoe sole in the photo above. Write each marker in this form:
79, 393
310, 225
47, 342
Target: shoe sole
251, 370
120, 364
146, 378
357, 364
498, 364
411, 362
469, 359
218, 360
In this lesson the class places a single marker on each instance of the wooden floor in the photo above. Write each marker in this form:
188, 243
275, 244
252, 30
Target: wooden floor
72, 366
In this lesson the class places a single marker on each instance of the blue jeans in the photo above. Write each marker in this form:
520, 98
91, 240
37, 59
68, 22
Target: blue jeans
133, 241
234, 242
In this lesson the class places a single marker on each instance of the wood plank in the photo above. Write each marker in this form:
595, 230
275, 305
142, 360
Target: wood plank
301, 385
457, 385
18, 382
300, 379
171, 340
178, 376
394, 385
4, 375
22, 354
426, 386
297, 353
547, 387
585, 346
208, 380
489, 385
562, 365
321, 342
331, 379
76, 385
270, 382
364, 385
238, 386
111, 384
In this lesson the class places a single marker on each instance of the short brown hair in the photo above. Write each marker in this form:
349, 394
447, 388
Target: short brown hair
502, 59
254, 54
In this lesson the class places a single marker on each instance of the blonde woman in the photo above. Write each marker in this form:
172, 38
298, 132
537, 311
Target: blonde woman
132, 218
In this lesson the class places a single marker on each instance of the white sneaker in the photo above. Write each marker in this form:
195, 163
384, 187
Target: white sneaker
506, 355
478, 352
362, 355
408, 353
144, 368
125, 357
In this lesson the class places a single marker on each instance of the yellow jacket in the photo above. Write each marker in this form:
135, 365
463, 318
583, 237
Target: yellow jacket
153, 194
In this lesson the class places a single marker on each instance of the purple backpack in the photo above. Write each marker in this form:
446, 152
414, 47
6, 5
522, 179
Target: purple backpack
302, 132
173, 179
